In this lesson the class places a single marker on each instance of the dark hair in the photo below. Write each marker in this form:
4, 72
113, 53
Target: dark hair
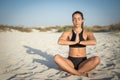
78, 12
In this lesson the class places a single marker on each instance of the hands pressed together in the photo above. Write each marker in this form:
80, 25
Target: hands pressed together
77, 40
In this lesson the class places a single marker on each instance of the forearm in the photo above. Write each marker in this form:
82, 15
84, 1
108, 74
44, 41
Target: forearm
88, 42
65, 42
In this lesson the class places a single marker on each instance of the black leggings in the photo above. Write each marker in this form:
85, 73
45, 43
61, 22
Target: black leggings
76, 61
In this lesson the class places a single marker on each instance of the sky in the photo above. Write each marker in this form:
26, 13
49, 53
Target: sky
35, 13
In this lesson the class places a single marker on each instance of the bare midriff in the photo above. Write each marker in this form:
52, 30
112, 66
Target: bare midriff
77, 52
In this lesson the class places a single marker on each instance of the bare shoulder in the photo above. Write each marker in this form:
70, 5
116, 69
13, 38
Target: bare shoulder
67, 32
90, 35
65, 35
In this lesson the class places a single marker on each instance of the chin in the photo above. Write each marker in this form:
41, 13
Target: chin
77, 26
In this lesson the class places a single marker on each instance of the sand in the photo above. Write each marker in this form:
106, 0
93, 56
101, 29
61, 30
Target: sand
29, 56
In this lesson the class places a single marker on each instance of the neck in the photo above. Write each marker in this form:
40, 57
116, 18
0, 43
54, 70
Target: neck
77, 29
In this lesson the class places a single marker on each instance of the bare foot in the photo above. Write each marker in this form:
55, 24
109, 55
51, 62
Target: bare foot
84, 74
64, 74
68, 74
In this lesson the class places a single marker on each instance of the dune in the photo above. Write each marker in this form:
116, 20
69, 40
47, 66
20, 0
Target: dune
29, 56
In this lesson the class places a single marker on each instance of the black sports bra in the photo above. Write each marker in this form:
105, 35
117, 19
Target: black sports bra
80, 37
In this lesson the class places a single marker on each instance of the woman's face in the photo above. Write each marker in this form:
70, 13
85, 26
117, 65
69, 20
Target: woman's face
77, 20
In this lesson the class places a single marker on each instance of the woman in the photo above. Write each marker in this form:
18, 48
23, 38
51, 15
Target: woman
77, 39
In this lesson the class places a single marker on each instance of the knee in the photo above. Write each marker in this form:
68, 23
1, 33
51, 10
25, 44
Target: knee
96, 60
56, 57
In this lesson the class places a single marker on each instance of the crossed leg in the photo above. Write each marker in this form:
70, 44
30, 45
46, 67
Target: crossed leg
89, 64
86, 66
65, 64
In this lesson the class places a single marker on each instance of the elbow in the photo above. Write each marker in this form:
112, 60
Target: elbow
59, 42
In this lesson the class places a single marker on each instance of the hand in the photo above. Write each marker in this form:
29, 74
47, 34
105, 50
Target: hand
77, 38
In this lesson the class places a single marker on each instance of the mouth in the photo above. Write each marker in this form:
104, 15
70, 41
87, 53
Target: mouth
76, 24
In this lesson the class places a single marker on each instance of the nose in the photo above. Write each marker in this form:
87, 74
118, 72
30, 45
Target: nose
76, 21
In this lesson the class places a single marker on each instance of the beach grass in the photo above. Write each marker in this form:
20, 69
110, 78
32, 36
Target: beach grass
96, 28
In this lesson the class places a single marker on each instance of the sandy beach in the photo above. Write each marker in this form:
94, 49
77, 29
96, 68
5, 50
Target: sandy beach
29, 56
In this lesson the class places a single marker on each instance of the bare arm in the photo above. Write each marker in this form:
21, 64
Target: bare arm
90, 39
64, 39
